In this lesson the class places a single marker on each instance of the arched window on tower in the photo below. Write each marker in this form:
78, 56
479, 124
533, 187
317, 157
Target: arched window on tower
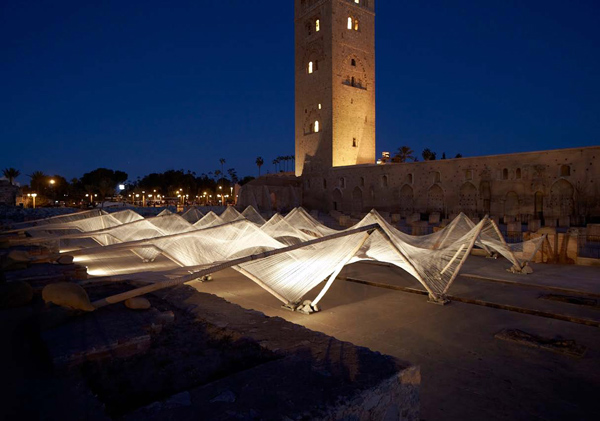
356, 24
353, 62
565, 171
310, 67
316, 126
505, 174
317, 25
518, 174
350, 22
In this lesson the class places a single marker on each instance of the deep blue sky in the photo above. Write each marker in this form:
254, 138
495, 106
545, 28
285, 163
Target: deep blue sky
146, 86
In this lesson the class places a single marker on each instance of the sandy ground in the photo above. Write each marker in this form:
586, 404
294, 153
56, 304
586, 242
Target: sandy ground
467, 374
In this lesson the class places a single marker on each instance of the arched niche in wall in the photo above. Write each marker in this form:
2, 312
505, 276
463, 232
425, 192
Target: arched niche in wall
337, 198
485, 191
407, 200
435, 199
511, 204
561, 198
468, 198
357, 200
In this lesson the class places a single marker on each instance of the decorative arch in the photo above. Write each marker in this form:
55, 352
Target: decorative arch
561, 198
354, 72
468, 198
309, 122
485, 190
357, 200
511, 204
337, 198
538, 205
435, 199
407, 204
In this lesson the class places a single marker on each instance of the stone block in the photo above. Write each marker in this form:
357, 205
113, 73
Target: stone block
534, 225
509, 218
434, 218
420, 228
592, 233
514, 227
564, 221
413, 218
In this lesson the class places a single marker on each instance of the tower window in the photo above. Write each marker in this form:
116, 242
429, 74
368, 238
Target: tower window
384, 181
342, 182
357, 1
505, 174
469, 175
518, 174
362, 181
316, 126
310, 67
319, 106
565, 171
353, 62
324, 183
356, 24
350, 22
353, 82
354, 142
317, 25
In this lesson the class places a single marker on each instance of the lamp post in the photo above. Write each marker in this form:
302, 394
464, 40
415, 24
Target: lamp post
143, 199
52, 183
221, 194
33, 196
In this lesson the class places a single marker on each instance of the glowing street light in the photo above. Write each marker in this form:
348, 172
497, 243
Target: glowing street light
32, 195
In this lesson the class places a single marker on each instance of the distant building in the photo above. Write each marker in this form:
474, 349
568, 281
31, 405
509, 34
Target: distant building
335, 144
8, 193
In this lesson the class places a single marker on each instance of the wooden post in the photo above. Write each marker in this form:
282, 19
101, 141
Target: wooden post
471, 244
339, 268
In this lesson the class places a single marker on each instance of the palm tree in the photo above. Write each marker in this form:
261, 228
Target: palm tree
11, 174
428, 155
404, 154
38, 181
275, 162
259, 163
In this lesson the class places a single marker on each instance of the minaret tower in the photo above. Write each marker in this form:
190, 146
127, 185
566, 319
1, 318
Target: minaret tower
335, 83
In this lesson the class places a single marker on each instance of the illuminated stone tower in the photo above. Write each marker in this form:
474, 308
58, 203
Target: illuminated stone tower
335, 83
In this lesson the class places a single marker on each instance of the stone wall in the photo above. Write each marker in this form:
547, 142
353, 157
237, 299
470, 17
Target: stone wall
560, 187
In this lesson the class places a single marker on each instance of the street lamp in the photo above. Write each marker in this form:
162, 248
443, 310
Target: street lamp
32, 195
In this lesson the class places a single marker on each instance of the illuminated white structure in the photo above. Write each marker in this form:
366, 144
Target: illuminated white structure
287, 256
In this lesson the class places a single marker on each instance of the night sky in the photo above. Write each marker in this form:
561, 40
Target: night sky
147, 86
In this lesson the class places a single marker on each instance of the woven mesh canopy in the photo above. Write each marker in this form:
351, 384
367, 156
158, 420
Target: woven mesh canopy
288, 256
